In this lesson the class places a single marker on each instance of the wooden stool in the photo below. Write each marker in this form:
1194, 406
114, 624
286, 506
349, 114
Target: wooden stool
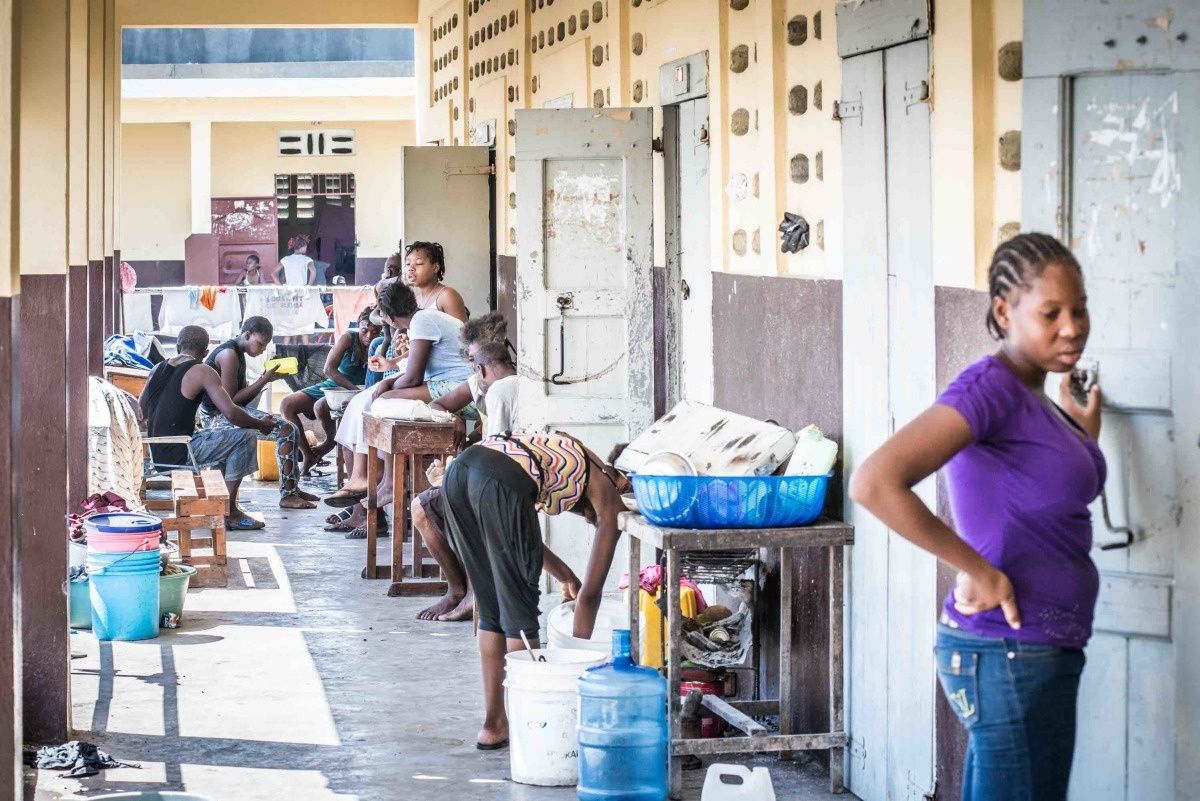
199, 502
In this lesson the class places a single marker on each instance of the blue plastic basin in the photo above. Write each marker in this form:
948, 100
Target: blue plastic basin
730, 501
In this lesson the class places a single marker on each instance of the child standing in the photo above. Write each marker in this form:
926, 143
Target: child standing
1021, 472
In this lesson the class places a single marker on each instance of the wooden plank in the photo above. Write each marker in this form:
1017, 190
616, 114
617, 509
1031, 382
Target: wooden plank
761, 708
875, 24
192, 507
821, 534
213, 484
371, 571
758, 745
1134, 605
1152, 719
183, 484
193, 523
786, 605
911, 587
734, 717
865, 406
837, 642
674, 674
635, 571
1186, 382
1101, 755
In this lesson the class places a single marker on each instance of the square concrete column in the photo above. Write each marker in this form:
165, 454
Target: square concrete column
201, 161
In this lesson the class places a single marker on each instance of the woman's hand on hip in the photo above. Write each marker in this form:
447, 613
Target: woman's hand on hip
973, 595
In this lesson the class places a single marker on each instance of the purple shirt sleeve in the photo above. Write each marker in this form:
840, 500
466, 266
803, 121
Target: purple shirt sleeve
983, 395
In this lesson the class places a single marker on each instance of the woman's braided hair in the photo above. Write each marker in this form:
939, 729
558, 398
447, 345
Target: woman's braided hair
1017, 262
433, 251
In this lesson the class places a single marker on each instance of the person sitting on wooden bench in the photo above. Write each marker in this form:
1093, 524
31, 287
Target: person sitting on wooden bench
496, 379
169, 403
229, 360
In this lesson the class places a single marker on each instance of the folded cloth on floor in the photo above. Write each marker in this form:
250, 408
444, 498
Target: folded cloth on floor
405, 409
77, 758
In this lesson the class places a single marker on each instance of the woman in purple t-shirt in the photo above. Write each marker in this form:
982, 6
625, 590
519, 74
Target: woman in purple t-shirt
1021, 472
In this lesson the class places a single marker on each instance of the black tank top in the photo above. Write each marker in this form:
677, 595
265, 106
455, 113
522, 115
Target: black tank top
211, 361
171, 414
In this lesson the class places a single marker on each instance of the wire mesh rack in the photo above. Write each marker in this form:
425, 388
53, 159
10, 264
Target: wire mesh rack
717, 567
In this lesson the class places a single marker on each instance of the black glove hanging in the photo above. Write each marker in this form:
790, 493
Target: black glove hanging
794, 229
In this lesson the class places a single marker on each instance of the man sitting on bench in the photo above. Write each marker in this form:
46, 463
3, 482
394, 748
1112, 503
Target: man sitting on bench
169, 402
229, 360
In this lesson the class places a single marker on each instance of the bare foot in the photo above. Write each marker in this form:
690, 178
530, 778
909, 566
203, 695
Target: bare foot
444, 605
492, 736
294, 501
464, 611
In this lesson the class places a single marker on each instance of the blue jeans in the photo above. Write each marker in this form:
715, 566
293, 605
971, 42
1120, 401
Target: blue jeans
1017, 703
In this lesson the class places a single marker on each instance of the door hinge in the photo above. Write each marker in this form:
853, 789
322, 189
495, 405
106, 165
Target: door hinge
916, 93
656, 144
847, 109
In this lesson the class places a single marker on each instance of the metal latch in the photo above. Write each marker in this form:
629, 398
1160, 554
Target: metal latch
916, 93
847, 109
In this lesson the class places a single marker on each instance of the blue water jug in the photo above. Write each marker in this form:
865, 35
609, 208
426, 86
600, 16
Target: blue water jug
622, 729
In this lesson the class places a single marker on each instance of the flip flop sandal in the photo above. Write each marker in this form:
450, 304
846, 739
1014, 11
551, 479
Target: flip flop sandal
343, 525
492, 746
339, 517
340, 499
244, 524
360, 533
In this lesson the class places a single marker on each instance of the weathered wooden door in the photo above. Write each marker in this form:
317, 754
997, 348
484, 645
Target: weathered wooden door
244, 226
1110, 164
889, 378
584, 282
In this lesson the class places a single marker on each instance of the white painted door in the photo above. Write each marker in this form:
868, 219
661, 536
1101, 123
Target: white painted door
889, 377
447, 199
695, 263
1123, 206
584, 283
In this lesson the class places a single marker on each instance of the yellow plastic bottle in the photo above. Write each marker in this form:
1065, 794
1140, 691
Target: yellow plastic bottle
651, 622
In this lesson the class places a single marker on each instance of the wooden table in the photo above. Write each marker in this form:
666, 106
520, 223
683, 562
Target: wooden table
829, 534
408, 443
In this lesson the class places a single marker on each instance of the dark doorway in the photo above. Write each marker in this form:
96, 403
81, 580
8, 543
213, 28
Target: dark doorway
321, 207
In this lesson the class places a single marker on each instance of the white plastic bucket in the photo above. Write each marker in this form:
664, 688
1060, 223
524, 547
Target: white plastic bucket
561, 622
543, 715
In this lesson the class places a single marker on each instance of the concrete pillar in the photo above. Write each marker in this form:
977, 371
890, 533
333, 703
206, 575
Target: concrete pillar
201, 160
10, 567
42, 193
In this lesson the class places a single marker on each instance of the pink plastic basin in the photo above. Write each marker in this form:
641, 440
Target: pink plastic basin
121, 543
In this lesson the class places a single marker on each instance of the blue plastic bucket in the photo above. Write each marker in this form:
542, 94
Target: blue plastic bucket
124, 594
79, 604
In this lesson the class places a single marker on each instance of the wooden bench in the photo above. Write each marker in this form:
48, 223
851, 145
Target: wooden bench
199, 502
408, 444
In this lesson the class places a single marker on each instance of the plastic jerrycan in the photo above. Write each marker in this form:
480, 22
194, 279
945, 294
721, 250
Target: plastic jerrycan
748, 785
622, 729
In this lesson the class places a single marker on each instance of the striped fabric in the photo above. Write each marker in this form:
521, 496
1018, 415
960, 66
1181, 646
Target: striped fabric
561, 468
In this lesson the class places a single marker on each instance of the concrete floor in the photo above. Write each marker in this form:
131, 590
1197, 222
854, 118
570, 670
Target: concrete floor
300, 680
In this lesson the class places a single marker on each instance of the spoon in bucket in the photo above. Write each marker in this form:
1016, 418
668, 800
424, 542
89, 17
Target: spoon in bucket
529, 650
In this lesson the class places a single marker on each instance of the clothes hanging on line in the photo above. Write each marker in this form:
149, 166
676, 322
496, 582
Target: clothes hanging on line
291, 310
348, 303
179, 309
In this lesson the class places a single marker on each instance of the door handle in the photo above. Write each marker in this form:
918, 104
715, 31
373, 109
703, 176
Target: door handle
564, 302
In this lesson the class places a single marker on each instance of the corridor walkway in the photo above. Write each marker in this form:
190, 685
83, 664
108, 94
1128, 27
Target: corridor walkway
299, 681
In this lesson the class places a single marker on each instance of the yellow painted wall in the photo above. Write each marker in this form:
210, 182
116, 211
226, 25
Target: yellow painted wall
774, 75
487, 59
244, 164
155, 206
155, 203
